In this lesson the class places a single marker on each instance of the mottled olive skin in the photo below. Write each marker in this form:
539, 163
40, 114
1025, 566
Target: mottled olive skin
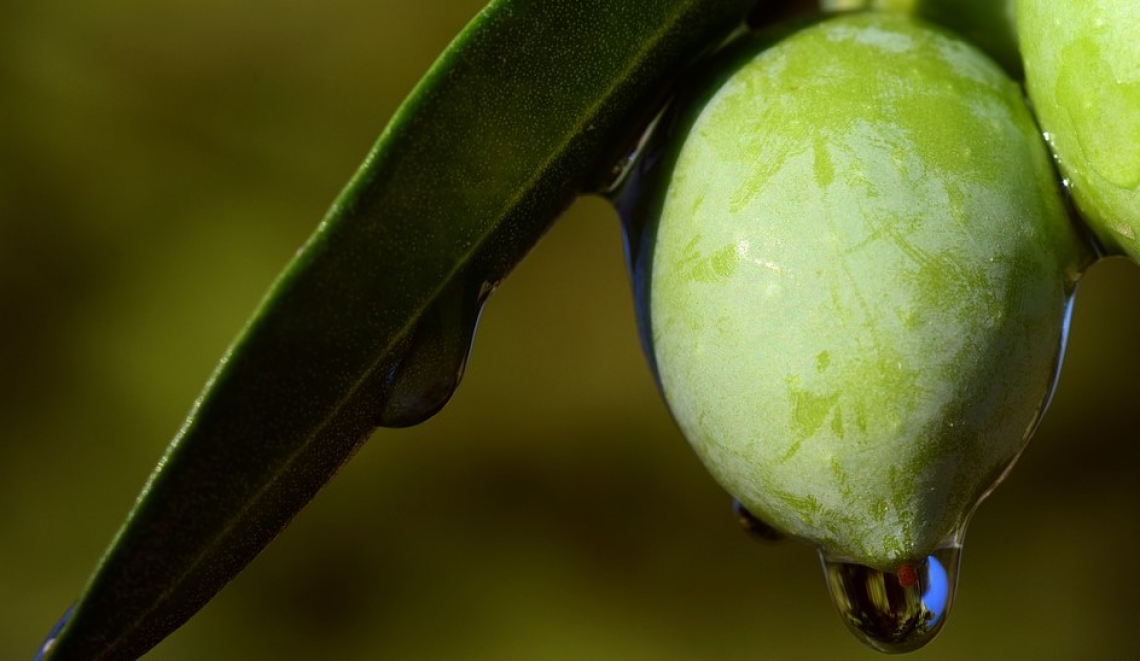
855, 272
988, 24
1082, 67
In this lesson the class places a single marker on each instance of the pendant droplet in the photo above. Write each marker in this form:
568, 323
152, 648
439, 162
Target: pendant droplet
435, 356
754, 526
49, 642
894, 611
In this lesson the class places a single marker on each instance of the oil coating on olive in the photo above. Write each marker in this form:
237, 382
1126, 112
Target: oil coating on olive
854, 272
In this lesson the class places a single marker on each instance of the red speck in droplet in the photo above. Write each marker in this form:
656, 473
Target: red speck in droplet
907, 575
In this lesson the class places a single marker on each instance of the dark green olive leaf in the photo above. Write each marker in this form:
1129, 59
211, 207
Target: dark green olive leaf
531, 105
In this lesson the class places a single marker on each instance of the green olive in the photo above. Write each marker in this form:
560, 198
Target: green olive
1082, 66
988, 24
854, 270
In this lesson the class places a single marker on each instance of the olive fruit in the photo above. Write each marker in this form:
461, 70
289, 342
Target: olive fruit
1082, 66
854, 268
988, 24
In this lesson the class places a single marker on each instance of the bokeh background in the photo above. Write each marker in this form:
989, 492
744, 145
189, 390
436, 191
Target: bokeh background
159, 162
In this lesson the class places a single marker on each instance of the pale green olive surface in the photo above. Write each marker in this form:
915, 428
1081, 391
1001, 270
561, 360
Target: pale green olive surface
1082, 66
856, 272
988, 24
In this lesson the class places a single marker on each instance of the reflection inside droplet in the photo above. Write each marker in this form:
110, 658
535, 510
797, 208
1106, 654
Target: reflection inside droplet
894, 611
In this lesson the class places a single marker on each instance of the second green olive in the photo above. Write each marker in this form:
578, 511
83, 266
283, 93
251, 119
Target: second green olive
1082, 68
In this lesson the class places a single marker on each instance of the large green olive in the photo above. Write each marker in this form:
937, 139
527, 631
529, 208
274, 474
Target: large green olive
1082, 67
988, 24
854, 267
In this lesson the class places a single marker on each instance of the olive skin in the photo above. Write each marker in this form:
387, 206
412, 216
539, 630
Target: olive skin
1082, 66
988, 24
854, 268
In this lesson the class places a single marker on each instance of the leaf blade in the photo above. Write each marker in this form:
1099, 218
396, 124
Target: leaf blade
519, 116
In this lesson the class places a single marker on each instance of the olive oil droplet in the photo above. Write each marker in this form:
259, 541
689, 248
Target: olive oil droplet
894, 611
435, 355
756, 527
49, 642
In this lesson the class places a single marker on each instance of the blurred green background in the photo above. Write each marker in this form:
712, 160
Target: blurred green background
159, 162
